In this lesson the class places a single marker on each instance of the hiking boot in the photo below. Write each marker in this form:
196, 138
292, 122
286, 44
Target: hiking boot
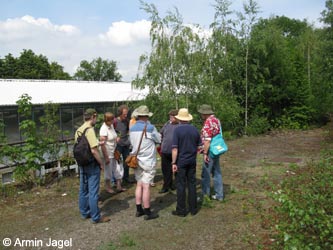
139, 213
102, 219
163, 190
151, 216
177, 213
194, 212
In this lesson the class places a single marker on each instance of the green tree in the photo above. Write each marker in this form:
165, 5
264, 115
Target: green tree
171, 69
31, 66
283, 92
246, 21
223, 54
8, 67
57, 72
98, 70
326, 62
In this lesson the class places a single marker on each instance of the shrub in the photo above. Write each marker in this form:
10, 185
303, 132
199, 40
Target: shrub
257, 126
305, 214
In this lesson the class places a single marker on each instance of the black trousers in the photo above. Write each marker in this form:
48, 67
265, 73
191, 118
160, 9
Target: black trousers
124, 151
167, 170
186, 177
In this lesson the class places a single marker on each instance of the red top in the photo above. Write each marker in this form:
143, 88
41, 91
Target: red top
210, 128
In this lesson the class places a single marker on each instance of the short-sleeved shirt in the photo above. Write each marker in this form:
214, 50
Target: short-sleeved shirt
90, 134
186, 139
210, 128
167, 136
147, 152
122, 131
111, 135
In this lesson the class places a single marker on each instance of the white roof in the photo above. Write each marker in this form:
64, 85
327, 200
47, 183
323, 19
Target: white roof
59, 91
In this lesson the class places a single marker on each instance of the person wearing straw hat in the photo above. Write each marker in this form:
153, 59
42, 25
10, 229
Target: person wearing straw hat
211, 166
146, 155
185, 143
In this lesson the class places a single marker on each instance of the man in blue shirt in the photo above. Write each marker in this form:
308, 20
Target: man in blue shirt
144, 137
185, 143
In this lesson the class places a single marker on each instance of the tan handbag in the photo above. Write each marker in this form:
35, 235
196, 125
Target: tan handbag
132, 160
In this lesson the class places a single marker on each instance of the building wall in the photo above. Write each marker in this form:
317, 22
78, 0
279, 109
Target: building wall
70, 117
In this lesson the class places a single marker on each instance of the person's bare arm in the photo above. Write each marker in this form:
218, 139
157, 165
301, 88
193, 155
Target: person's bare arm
104, 151
174, 158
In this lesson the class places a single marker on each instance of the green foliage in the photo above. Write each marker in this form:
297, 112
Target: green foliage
180, 71
40, 144
207, 202
30, 66
50, 132
98, 70
125, 242
28, 156
295, 118
305, 210
257, 125
57, 72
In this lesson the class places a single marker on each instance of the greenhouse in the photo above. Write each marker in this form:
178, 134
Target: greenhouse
73, 97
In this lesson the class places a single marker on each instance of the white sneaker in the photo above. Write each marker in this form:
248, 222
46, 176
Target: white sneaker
215, 198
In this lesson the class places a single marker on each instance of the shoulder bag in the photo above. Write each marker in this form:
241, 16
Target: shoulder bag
217, 145
132, 159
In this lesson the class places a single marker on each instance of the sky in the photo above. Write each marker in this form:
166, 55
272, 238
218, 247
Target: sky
69, 31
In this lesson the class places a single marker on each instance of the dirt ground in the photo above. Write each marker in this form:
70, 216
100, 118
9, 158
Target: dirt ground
30, 219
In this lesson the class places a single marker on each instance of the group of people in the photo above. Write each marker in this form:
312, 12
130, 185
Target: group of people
179, 141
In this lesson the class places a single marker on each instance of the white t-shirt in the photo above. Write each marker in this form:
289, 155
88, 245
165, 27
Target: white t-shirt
111, 135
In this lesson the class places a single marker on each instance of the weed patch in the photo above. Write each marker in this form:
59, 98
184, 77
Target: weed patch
304, 216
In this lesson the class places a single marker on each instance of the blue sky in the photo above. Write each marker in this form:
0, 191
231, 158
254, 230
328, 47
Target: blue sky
69, 31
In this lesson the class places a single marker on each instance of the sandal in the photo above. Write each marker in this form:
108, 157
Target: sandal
110, 191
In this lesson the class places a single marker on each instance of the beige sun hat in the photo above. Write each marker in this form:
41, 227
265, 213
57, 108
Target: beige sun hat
205, 109
143, 111
134, 113
184, 115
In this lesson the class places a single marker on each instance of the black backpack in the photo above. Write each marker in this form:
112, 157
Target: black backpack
82, 151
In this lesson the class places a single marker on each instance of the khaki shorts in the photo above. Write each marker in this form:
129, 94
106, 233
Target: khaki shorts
145, 175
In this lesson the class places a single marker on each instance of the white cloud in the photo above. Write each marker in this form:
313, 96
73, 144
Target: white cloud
124, 43
123, 33
27, 27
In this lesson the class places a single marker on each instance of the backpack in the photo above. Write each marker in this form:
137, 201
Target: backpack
82, 151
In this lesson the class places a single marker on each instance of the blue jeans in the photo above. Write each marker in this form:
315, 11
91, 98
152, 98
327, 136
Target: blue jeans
89, 190
124, 151
212, 168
